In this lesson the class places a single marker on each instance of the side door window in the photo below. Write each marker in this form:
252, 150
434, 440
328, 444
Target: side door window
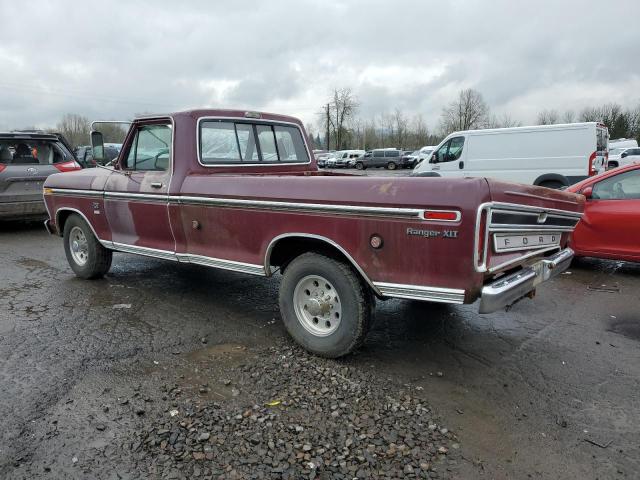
625, 186
455, 149
150, 149
441, 154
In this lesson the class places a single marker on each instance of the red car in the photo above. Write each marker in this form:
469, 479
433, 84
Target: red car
610, 227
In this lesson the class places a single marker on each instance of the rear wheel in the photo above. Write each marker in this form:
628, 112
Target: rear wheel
552, 184
86, 256
391, 166
324, 305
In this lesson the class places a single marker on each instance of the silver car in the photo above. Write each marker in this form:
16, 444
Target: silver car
26, 160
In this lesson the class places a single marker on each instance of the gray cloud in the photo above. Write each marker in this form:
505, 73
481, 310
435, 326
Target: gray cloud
116, 59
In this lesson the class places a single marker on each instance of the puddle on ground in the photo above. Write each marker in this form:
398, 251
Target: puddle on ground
204, 373
32, 263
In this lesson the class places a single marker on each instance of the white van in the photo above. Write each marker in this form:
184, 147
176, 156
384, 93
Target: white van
549, 155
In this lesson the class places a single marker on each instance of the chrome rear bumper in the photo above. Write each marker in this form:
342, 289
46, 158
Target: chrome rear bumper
508, 290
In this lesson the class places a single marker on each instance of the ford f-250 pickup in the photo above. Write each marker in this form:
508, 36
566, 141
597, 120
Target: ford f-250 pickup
241, 191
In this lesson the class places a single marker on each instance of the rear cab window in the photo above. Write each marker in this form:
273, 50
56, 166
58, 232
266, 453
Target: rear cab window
229, 142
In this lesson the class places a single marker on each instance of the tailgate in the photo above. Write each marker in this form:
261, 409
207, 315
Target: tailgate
523, 223
23, 183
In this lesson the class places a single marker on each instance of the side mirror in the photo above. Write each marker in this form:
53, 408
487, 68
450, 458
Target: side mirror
97, 147
624, 155
587, 192
433, 159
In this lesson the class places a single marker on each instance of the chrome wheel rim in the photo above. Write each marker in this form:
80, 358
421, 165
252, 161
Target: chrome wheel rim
78, 246
317, 305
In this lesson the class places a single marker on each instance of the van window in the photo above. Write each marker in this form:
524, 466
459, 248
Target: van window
450, 151
392, 153
378, 153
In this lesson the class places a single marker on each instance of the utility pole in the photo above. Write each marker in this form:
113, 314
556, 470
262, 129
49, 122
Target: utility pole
328, 122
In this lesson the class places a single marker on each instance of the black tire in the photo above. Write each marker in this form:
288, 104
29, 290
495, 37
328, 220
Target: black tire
555, 184
356, 303
391, 166
98, 258
359, 166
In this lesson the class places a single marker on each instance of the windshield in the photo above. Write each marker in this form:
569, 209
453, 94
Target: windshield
616, 151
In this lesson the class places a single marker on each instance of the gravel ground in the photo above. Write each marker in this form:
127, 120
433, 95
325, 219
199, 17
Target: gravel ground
90, 373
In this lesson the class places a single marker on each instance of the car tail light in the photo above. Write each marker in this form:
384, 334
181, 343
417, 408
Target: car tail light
482, 233
2, 166
69, 166
442, 215
592, 170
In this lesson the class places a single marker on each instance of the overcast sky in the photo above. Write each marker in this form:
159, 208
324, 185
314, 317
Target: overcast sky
113, 59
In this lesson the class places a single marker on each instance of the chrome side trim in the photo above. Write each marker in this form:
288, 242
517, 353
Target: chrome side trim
413, 213
146, 197
351, 210
68, 209
222, 264
149, 252
417, 292
252, 121
267, 256
77, 193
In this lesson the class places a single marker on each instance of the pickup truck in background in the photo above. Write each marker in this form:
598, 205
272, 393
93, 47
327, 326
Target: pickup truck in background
241, 191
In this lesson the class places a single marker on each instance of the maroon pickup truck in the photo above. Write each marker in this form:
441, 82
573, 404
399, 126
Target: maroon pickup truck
241, 191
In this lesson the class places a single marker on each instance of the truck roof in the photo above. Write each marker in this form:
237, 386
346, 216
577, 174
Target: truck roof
226, 113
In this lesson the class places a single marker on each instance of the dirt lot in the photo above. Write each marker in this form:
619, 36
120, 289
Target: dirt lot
172, 371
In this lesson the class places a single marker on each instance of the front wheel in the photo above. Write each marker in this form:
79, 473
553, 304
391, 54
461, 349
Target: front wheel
86, 255
360, 166
324, 305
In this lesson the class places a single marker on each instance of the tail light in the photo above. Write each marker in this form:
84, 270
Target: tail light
482, 233
592, 170
442, 215
2, 166
69, 166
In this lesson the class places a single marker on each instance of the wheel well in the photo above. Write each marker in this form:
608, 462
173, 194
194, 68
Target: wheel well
552, 177
61, 218
282, 251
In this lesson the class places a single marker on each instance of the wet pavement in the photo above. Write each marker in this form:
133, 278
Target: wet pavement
90, 369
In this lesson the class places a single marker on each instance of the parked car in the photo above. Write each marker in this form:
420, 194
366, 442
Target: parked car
553, 156
26, 160
389, 158
619, 157
84, 154
347, 158
338, 240
409, 158
425, 154
610, 227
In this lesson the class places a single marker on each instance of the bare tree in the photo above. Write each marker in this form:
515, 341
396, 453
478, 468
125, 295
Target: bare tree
342, 109
75, 128
548, 117
569, 116
503, 121
468, 112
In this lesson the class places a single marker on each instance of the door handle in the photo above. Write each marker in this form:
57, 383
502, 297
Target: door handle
156, 184
461, 165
